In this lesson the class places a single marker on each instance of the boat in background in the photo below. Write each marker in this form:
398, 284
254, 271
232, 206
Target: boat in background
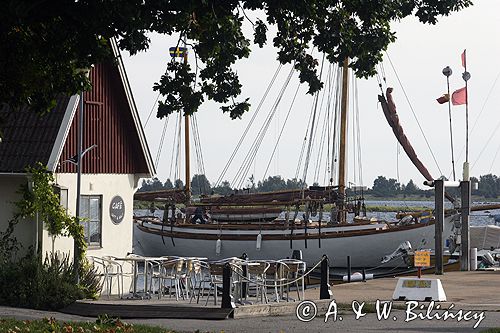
367, 243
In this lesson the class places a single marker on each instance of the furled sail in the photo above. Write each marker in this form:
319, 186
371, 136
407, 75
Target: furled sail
392, 118
389, 108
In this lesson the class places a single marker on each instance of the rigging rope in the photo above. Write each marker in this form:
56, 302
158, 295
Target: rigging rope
152, 109
414, 114
494, 158
324, 133
252, 152
336, 125
174, 144
479, 115
486, 145
328, 121
281, 132
308, 153
160, 146
233, 154
358, 132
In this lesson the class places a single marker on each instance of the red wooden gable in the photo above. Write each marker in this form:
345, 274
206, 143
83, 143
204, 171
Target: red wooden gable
108, 124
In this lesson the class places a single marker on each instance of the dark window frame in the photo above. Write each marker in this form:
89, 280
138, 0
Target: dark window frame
87, 221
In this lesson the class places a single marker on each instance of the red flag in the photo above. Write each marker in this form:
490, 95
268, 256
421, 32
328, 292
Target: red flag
459, 96
443, 99
464, 60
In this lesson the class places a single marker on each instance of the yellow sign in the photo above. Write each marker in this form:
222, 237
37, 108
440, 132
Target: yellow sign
422, 258
416, 284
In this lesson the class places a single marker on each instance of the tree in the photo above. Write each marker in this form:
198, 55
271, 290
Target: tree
272, 183
293, 184
489, 186
168, 184
223, 189
383, 187
48, 42
200, 185
178, 184
411, 188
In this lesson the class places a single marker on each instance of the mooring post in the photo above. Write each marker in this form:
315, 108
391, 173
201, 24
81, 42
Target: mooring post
324, 291
439, 221
465, 191
227, 298
364, 274
244, 268
349, 270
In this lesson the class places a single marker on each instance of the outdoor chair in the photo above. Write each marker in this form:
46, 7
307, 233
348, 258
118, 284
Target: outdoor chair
257, 277
293, 270
275, 275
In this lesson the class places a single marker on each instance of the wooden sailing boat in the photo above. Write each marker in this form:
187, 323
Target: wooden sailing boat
365, 242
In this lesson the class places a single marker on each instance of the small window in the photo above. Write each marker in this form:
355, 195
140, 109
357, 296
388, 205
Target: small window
63, 196
91, 213
62, 193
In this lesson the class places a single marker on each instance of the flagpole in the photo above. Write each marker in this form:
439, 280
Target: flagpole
466, 77
447, 72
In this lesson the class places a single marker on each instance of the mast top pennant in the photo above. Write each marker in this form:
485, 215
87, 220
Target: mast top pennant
176, 52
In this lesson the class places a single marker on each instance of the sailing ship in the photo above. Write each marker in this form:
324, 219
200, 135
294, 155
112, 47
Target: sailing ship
238, 223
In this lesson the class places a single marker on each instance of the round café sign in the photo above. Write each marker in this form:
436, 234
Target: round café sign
117, 209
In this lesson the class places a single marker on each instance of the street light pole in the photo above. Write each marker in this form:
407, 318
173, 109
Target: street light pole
76, 249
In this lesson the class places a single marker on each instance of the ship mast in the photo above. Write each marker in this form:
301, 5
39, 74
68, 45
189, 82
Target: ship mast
187, 187
343, 140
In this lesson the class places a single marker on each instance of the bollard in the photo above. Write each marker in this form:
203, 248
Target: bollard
244, 272
324, 291
364, 274
227, 299
349, 270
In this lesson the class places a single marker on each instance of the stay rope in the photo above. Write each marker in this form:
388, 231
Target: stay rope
240, 141
413, 112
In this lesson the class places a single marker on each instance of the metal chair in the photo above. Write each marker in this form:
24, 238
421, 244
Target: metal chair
292, 270
257, 275
275, 274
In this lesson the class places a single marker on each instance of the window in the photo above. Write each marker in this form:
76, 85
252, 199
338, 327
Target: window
91, 213
62, 193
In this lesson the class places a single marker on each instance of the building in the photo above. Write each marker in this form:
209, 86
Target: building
110, 171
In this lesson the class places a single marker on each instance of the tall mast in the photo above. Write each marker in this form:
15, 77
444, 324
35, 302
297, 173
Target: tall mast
343, 138
187, 188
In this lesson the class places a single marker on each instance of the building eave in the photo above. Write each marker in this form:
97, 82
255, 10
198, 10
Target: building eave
63, 133
135, 115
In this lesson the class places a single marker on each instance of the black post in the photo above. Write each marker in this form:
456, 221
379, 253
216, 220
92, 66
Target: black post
324, 291
349, 270
244, 268
439, 221
465, 236
364, 275
76, 249
227, 299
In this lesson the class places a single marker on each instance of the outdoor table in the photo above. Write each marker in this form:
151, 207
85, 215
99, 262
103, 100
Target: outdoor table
135, 260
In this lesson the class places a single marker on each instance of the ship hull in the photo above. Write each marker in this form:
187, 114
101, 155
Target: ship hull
366, 244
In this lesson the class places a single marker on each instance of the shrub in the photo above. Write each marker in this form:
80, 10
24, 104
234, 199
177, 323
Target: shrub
47, 285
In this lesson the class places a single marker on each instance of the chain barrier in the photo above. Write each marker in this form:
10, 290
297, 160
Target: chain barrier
259, 283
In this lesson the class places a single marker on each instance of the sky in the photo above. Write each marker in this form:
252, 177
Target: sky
418, 57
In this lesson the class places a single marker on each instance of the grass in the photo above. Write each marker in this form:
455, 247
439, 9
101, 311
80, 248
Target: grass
102, 325
491, 330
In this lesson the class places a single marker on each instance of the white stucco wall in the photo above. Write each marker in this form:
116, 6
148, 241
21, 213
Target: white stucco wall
25, 229
116, 238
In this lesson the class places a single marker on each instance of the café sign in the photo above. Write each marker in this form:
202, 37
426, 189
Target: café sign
117, 209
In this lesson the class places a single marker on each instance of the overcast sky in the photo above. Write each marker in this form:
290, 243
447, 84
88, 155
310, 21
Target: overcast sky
419, 55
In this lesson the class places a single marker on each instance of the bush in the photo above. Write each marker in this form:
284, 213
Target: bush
47, 285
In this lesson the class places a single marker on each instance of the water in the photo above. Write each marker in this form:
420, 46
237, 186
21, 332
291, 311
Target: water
476, 218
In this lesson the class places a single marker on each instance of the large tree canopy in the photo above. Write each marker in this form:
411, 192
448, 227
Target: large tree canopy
44, 44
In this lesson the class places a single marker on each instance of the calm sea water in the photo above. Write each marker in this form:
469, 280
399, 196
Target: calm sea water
477, 218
